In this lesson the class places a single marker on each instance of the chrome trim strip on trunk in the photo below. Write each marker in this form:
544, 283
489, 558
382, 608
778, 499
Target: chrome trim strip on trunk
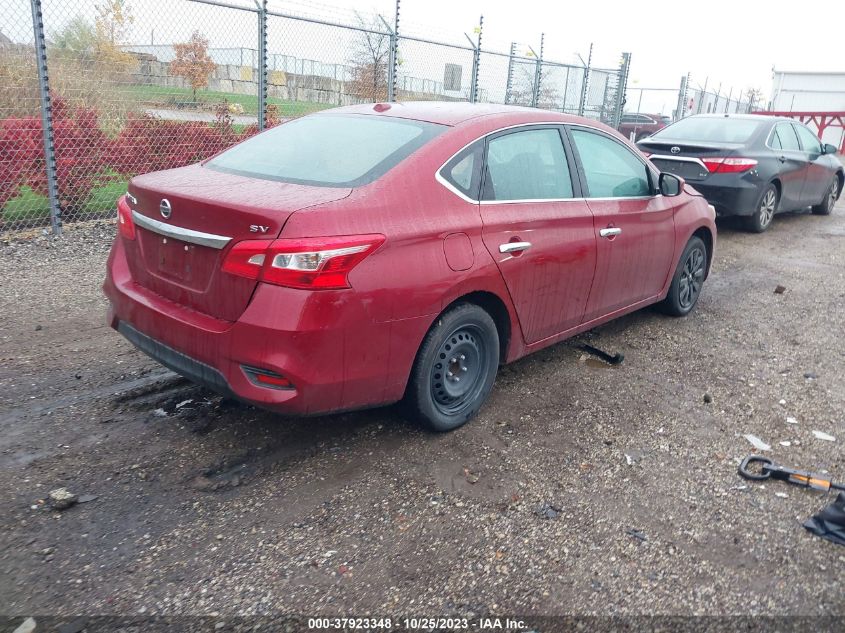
179, 233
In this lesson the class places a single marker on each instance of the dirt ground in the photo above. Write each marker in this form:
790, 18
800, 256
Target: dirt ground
580, 488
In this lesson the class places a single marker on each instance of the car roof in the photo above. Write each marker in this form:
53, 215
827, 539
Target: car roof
751, 117
450, 112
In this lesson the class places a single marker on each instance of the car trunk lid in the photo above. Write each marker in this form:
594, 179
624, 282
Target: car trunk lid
180, 256
683, 158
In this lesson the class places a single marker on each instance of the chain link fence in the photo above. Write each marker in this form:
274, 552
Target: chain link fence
128, 87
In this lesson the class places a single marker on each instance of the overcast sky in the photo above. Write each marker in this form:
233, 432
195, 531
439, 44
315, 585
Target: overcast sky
733, 42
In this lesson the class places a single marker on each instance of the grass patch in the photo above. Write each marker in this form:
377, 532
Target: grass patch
172, 97
26, 206
29, 206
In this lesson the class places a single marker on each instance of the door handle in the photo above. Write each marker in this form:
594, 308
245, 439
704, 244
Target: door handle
512, 247
610, 232
782, 159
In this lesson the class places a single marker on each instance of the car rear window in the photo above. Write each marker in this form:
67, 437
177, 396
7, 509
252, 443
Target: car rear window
330, 150
712, 129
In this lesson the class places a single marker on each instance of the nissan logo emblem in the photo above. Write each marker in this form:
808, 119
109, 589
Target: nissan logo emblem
164, 208
674, 150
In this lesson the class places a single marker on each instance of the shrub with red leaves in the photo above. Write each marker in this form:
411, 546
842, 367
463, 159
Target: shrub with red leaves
82, 154
85, 155
21, 154
148, 143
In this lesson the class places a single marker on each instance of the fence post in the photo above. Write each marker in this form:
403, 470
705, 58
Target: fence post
621, 89
476, 62
509, 84
46, 117
681, 109
262, 64
585, 82
538, 73
392, 54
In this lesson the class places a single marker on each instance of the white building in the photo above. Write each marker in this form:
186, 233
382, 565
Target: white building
817, 92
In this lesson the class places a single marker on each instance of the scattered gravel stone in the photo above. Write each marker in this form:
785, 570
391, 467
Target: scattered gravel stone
62, 498
547, 511
708, 398
637, 534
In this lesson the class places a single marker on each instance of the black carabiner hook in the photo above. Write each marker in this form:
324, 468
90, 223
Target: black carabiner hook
764, 473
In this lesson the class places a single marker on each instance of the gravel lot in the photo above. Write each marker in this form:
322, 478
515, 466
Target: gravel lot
219, 508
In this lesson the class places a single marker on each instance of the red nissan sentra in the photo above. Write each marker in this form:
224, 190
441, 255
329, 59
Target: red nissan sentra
377, 253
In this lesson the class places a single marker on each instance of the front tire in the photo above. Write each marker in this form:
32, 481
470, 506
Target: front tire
688, 280
826, 205
455, 368
762, 218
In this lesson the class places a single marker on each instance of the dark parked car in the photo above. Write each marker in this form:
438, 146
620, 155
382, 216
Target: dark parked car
641, 125
750, 165
371, 254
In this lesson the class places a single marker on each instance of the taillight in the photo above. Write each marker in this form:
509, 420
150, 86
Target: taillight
317, 263
725, 165
124, 219
246, 258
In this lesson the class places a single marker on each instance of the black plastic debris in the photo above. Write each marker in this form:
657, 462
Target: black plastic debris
830, 522
611, 359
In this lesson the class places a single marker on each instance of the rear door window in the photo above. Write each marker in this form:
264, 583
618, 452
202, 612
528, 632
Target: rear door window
527, 165
809, 141
786, 136
610, 168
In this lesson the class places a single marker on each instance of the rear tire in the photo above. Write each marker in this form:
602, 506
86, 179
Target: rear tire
688, 279
762, 217
455, 368
826, 205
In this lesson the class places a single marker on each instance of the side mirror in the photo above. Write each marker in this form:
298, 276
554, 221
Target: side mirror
827, 148
670, 185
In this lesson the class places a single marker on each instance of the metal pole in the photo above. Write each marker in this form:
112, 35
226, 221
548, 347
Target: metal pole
621, 88
538, 73
46, 118
509, 85
585, 82
262, 63
703, 96
476, 62
681, 108
566, 88
395, 51
728, 102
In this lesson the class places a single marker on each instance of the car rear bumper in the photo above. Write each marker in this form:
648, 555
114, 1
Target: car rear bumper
730, 194
336, 359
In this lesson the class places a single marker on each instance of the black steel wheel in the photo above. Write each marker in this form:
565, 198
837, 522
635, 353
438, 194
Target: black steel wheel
688, 279
455, 368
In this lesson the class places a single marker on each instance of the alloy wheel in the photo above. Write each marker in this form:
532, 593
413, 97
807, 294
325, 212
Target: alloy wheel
831, 196
692, 278
767, 207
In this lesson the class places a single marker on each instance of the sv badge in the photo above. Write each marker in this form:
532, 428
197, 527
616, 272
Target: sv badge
257, 228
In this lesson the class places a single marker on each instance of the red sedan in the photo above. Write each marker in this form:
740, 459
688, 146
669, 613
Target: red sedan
371, 254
